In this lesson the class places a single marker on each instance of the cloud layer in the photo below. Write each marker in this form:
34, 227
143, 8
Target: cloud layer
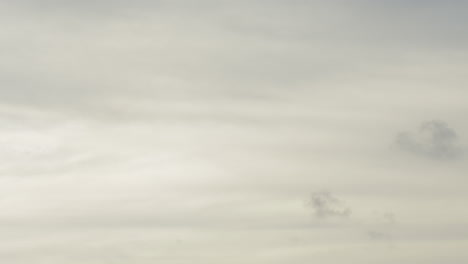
180, 131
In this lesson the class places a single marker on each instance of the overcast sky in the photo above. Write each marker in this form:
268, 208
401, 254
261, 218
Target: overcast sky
219, 132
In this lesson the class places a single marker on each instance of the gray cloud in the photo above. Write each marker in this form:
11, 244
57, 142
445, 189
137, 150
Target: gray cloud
326, 205
434, 139
380, 229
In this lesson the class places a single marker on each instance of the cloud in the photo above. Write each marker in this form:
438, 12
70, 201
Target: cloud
434, 139
381, 229
325, 205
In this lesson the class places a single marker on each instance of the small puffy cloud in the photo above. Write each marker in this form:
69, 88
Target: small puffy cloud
434, 139
325, 205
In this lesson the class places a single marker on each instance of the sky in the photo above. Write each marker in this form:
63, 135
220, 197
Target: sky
177, 131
